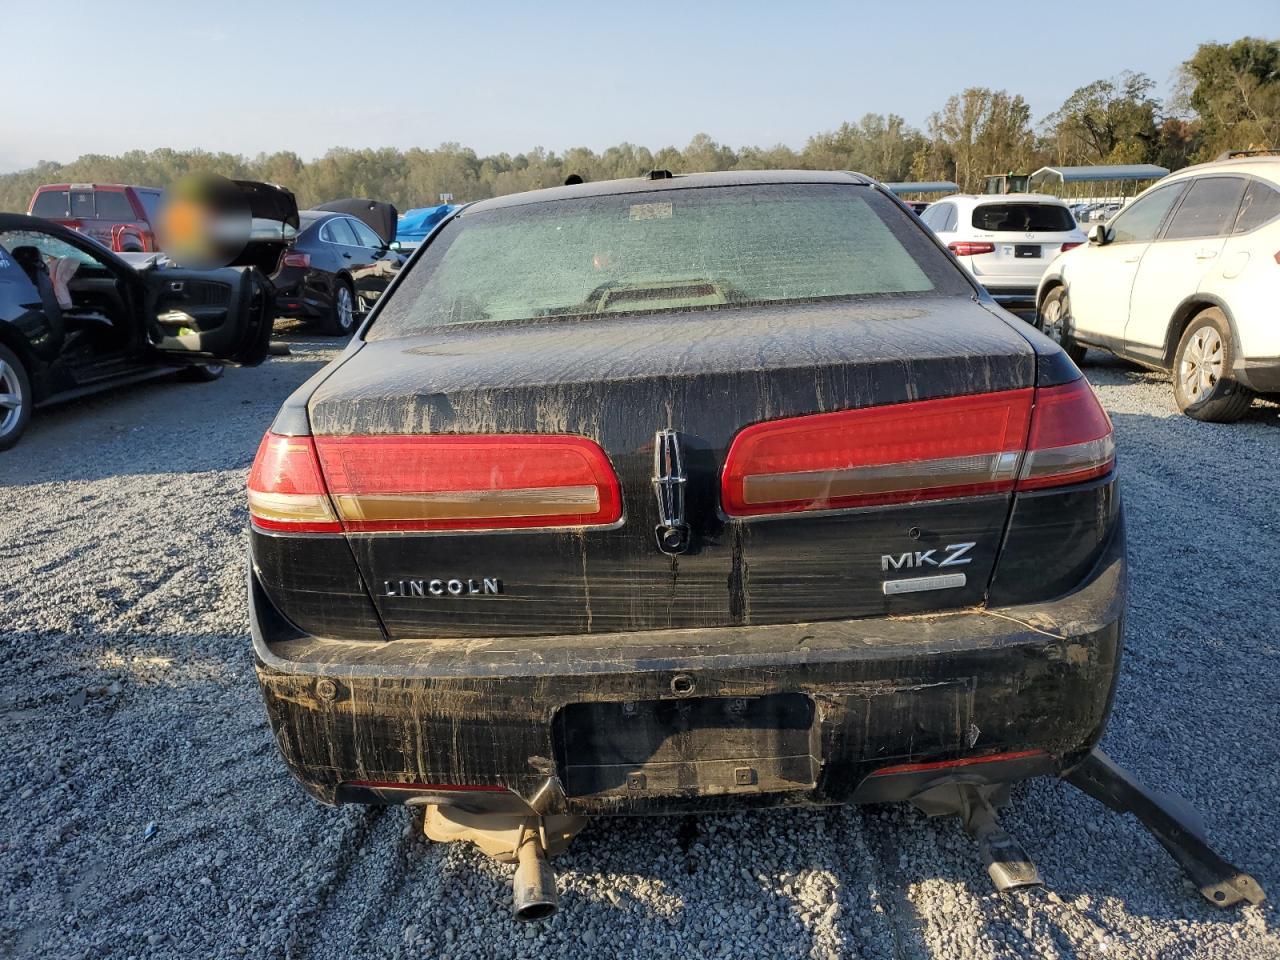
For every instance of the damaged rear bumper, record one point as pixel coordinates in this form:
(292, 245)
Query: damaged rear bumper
(867, 710)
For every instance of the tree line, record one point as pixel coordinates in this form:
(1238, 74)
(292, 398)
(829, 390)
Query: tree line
(1227, 97)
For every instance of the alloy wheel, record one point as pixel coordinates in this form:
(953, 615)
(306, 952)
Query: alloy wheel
(11, 398)
(1201, 365)
(1054, 324)
(346, 310)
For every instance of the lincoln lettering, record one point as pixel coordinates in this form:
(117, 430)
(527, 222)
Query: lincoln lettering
(441, 588)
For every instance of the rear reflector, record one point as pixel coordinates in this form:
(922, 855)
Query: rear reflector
(1071, 439)
(924, 450)
(432, 787)
(286, 491)
(962, 762)
(969, 248)
(466, 482)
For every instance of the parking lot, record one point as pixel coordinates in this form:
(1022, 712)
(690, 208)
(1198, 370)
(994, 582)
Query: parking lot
(148, 813)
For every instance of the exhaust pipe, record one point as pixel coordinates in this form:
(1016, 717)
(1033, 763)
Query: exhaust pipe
(533, 894)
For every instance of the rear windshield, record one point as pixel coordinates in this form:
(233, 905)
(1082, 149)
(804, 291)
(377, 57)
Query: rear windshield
(674, 249)
(1023, 217)
(51, 204)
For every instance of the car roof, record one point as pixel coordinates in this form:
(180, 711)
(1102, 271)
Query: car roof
(95, 186)
(978, 199)
(1265, 167)
(731, 178)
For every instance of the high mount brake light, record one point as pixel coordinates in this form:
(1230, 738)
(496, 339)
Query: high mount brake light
(469, 482)
(1071, 439)
(923, 450)
(970, 248)
(286, 490)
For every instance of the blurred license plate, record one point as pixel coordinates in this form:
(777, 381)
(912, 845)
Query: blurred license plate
(1030, 251)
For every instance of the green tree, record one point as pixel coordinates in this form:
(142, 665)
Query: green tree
(978, 132)
(1234, 90)
(878, 145)
(1108, 121)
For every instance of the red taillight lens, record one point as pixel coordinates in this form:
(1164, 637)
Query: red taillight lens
(1071, 439)
(466, 482)
(1069, 246)
(286, 490)
(296, 258)
(968, 248)
(924, 450)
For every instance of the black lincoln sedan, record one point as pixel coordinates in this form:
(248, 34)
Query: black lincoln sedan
(336, 269)
(686, 493)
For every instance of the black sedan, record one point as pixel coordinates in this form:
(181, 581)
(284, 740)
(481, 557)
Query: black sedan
(76, 318)
(689, 493)
(335, 271)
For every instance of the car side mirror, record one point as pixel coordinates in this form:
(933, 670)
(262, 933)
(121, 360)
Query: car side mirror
(394, 245)
(1098, 235)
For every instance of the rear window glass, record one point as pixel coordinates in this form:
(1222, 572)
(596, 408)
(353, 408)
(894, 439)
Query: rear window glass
(1023, 217)
(51, 204)
(114, 206)
(82, 206)
(673, 249)
(1261, 205)
(1208, 208)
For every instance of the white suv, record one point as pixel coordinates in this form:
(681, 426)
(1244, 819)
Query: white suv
(1185, 279)
(1005, 240)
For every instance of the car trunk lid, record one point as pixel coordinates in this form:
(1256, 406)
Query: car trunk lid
(701, 376)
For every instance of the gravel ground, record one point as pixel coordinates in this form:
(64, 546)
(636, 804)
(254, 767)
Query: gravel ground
(144, 811)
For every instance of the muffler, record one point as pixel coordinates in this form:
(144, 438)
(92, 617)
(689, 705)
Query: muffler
(525, 839)
(533, 888)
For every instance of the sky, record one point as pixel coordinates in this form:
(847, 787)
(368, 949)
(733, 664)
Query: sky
(507, 77)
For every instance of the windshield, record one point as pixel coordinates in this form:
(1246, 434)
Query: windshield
(673, 249)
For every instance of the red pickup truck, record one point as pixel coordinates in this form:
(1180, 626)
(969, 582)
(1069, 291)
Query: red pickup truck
(119, 217)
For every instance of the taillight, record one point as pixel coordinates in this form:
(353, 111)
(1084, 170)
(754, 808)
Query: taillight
(923, 450)
(970, 248)
(296, 258)
(286, 490)
(1070, 440)
(469, 482)
(1069, 246)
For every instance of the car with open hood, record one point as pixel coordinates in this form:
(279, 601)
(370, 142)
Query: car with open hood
(691, 493)
(76, 318)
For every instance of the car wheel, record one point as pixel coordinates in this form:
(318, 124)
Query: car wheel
(205, 372)
(342, 313)
(15, 398)
(1202, 383)
(1054, 320)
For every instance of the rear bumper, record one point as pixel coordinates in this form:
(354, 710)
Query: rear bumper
(885, 706)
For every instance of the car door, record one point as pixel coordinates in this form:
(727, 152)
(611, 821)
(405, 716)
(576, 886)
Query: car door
(1100, 281)
(199, 316)
(371, 278)
(347, 252)
(1174, 266)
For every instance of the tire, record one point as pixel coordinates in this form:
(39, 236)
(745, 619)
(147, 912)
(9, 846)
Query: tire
(205, 372)
(1053, 319)
(1202, 383)
(16, 398)
(341, 319)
